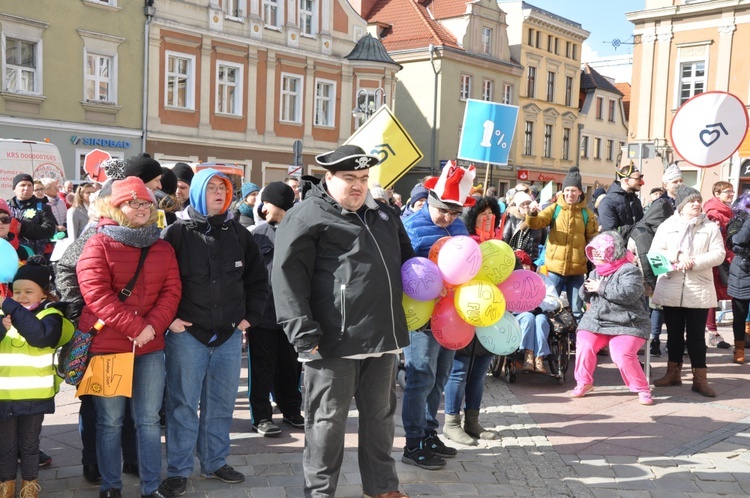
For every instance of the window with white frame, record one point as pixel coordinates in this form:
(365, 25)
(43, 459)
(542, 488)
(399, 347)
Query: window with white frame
(692, 79)
(507, 93)
(325, 103)
(568, 91)
(22, 62)
(550, 86)
(597, 148)
(487, 41)
(180, 81)
(307, 17)
(531, 82)
(234, 8)
(291, 98)
(229, 85)
(584, 147)
(528, 139)
(272, 13)
(611, 110)
(98, 78)
(566, 144)
(487, 90)
(548, 140)
(609, 150)
(465, 92)
(599, 108)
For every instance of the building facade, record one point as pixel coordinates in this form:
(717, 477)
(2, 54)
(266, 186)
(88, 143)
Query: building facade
(72, 73)
(685, 48)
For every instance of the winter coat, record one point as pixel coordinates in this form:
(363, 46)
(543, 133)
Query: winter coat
(739, 269)
(720, 213)
(223, 277)
(617, 309)
(643, 234)
(527, 240)
(104, 269)
(59, 209)
(77, 218)
(66, 279)
(691, 288)
(38, 225)
(265, 236)
(619, 210)
(337, 277)
(567, 237)
(423, 233)
(41, 330)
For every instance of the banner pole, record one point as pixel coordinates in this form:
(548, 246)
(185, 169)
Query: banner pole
(486, 178)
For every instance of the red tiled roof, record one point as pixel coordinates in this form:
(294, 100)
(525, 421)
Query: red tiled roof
(445, 9)
(412, 26)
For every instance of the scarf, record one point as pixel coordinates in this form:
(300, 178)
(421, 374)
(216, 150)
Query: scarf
(606, 269)
(134, 237)
(246, 209)
(685, 237)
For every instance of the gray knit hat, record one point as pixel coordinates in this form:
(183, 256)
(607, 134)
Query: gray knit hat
(573, 179)
(684, 195)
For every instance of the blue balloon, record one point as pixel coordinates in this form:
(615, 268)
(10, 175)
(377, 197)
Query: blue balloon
(501, 338)
(8, 262)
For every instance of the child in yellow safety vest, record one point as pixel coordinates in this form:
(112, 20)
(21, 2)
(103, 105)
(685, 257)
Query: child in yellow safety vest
(33, 327)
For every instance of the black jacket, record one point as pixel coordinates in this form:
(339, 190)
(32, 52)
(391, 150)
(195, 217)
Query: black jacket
(265, 236)
(337, 277)
(38, 224)
(643, 234)
(620, 210)
(223, 276)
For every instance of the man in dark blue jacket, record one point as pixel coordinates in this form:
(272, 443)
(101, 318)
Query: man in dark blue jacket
(621, 209)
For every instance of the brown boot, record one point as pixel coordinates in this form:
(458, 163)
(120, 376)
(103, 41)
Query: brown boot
(539, 365)
(747, 328)
(29, 489)
(672, 377)
(528, 361)
(8, 489)
(700, 384)
(739, 351)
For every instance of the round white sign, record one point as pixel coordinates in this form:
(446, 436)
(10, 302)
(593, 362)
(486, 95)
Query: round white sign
(709, 128)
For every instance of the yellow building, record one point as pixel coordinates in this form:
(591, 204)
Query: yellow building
(549, 48)
(684, 48)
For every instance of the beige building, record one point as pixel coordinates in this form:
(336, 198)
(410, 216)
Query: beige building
(549, 48)
(604, 127)
(685, 48)
(72, 73)
(450, 52)
(240, 81)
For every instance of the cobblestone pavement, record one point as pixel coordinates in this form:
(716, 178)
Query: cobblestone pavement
(603, 445)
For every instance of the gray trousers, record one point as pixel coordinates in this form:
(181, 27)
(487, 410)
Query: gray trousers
(330, 385)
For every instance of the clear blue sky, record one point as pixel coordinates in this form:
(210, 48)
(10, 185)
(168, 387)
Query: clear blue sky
(605, 19)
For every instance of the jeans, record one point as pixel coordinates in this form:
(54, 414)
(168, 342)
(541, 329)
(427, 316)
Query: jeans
(534, 333)
(330, 385)
(428, 365)
(686, 327)
(462, 382)
(87, 430)
(148, 389)
(571, 285)
(657, 320)
(209, 376)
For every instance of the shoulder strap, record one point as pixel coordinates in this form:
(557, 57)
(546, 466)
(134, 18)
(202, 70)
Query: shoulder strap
(125, 293)
(557, 211)
(585, 212)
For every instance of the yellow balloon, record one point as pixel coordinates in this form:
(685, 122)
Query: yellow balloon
(479, 303)
(498, 261)
(417, 312)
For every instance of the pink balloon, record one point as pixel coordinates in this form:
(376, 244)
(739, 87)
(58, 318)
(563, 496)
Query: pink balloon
(524, 290)
(448, 328)
(459, 259)
(421, 279)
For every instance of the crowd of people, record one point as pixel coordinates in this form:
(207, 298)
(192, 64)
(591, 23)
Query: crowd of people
(305, 274)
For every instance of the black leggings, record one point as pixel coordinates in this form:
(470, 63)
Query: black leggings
(739, 317)
(686, 326)
(19, 435)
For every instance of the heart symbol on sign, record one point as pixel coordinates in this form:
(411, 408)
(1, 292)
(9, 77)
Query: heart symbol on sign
(713, 136)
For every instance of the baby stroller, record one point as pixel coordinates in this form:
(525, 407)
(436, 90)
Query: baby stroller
(560, 340)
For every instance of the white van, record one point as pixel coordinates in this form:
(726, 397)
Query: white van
(38, 159)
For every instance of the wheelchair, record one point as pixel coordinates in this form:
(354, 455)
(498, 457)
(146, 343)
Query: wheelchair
(561, 344)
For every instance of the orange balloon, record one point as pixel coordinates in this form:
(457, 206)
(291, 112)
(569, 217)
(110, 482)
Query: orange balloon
(435, 249)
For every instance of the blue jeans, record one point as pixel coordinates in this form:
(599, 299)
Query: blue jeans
(461, 382)
(571, 285)
(428, 365)
(534, 333)
(197, 373)
(148, 391)
(657, 320)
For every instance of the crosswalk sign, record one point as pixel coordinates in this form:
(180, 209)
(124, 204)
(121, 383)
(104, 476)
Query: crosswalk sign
(382, 135)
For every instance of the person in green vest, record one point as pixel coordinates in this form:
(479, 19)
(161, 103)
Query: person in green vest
(33, 327)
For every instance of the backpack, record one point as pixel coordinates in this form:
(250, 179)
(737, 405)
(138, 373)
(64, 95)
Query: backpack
(734, 226)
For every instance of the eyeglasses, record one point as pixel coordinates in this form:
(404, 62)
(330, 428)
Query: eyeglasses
(728, 191)
(39, 190)
(637, 178)
(5, 219)
(140, 204)
(212, 189)
(448, 212)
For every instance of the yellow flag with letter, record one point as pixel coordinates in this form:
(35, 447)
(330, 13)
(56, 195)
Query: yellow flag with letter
(108, 375)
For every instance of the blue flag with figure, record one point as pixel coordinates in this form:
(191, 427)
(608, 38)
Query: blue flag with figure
(487, 132)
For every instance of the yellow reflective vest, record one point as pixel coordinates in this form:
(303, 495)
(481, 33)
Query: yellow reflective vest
(28, 372)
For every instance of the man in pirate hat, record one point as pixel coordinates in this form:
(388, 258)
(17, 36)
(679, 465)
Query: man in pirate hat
(621, 208)
(340, 238)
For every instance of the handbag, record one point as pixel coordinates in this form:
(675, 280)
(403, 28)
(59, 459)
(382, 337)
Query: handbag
(75, 355)
(723, 271)
(561, 320)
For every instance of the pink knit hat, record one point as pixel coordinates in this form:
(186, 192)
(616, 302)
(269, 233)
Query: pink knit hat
(4, 206)
(130, 189)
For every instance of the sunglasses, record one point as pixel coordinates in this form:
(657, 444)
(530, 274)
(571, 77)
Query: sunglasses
(5, 219)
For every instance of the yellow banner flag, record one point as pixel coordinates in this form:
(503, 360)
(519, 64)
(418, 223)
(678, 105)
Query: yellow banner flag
(108, 375)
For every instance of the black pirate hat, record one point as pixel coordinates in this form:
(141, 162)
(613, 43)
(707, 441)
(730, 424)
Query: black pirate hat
(347, 158)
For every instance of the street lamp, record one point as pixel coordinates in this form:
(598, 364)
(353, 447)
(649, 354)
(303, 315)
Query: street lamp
(367, 103)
